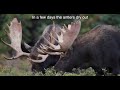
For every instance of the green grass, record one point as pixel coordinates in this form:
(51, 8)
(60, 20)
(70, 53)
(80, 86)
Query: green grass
(6, 71)
(22, 67)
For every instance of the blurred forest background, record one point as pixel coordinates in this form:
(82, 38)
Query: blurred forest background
(32, 29)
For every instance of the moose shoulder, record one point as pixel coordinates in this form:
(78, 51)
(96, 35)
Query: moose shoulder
(99, 48)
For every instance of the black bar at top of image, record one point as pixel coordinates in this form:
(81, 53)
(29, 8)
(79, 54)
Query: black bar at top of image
(59, 7)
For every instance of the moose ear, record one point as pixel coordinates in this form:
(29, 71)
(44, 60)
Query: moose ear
(28, 47)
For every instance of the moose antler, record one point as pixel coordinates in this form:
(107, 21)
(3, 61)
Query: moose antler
(15, 36)
(64, 40)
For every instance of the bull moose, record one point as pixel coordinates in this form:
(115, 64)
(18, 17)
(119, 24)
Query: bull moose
(63, 47)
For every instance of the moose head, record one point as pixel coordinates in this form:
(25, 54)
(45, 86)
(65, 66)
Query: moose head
(53, 41)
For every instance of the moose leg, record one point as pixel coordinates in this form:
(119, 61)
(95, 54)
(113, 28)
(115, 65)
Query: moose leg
(116, 65)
